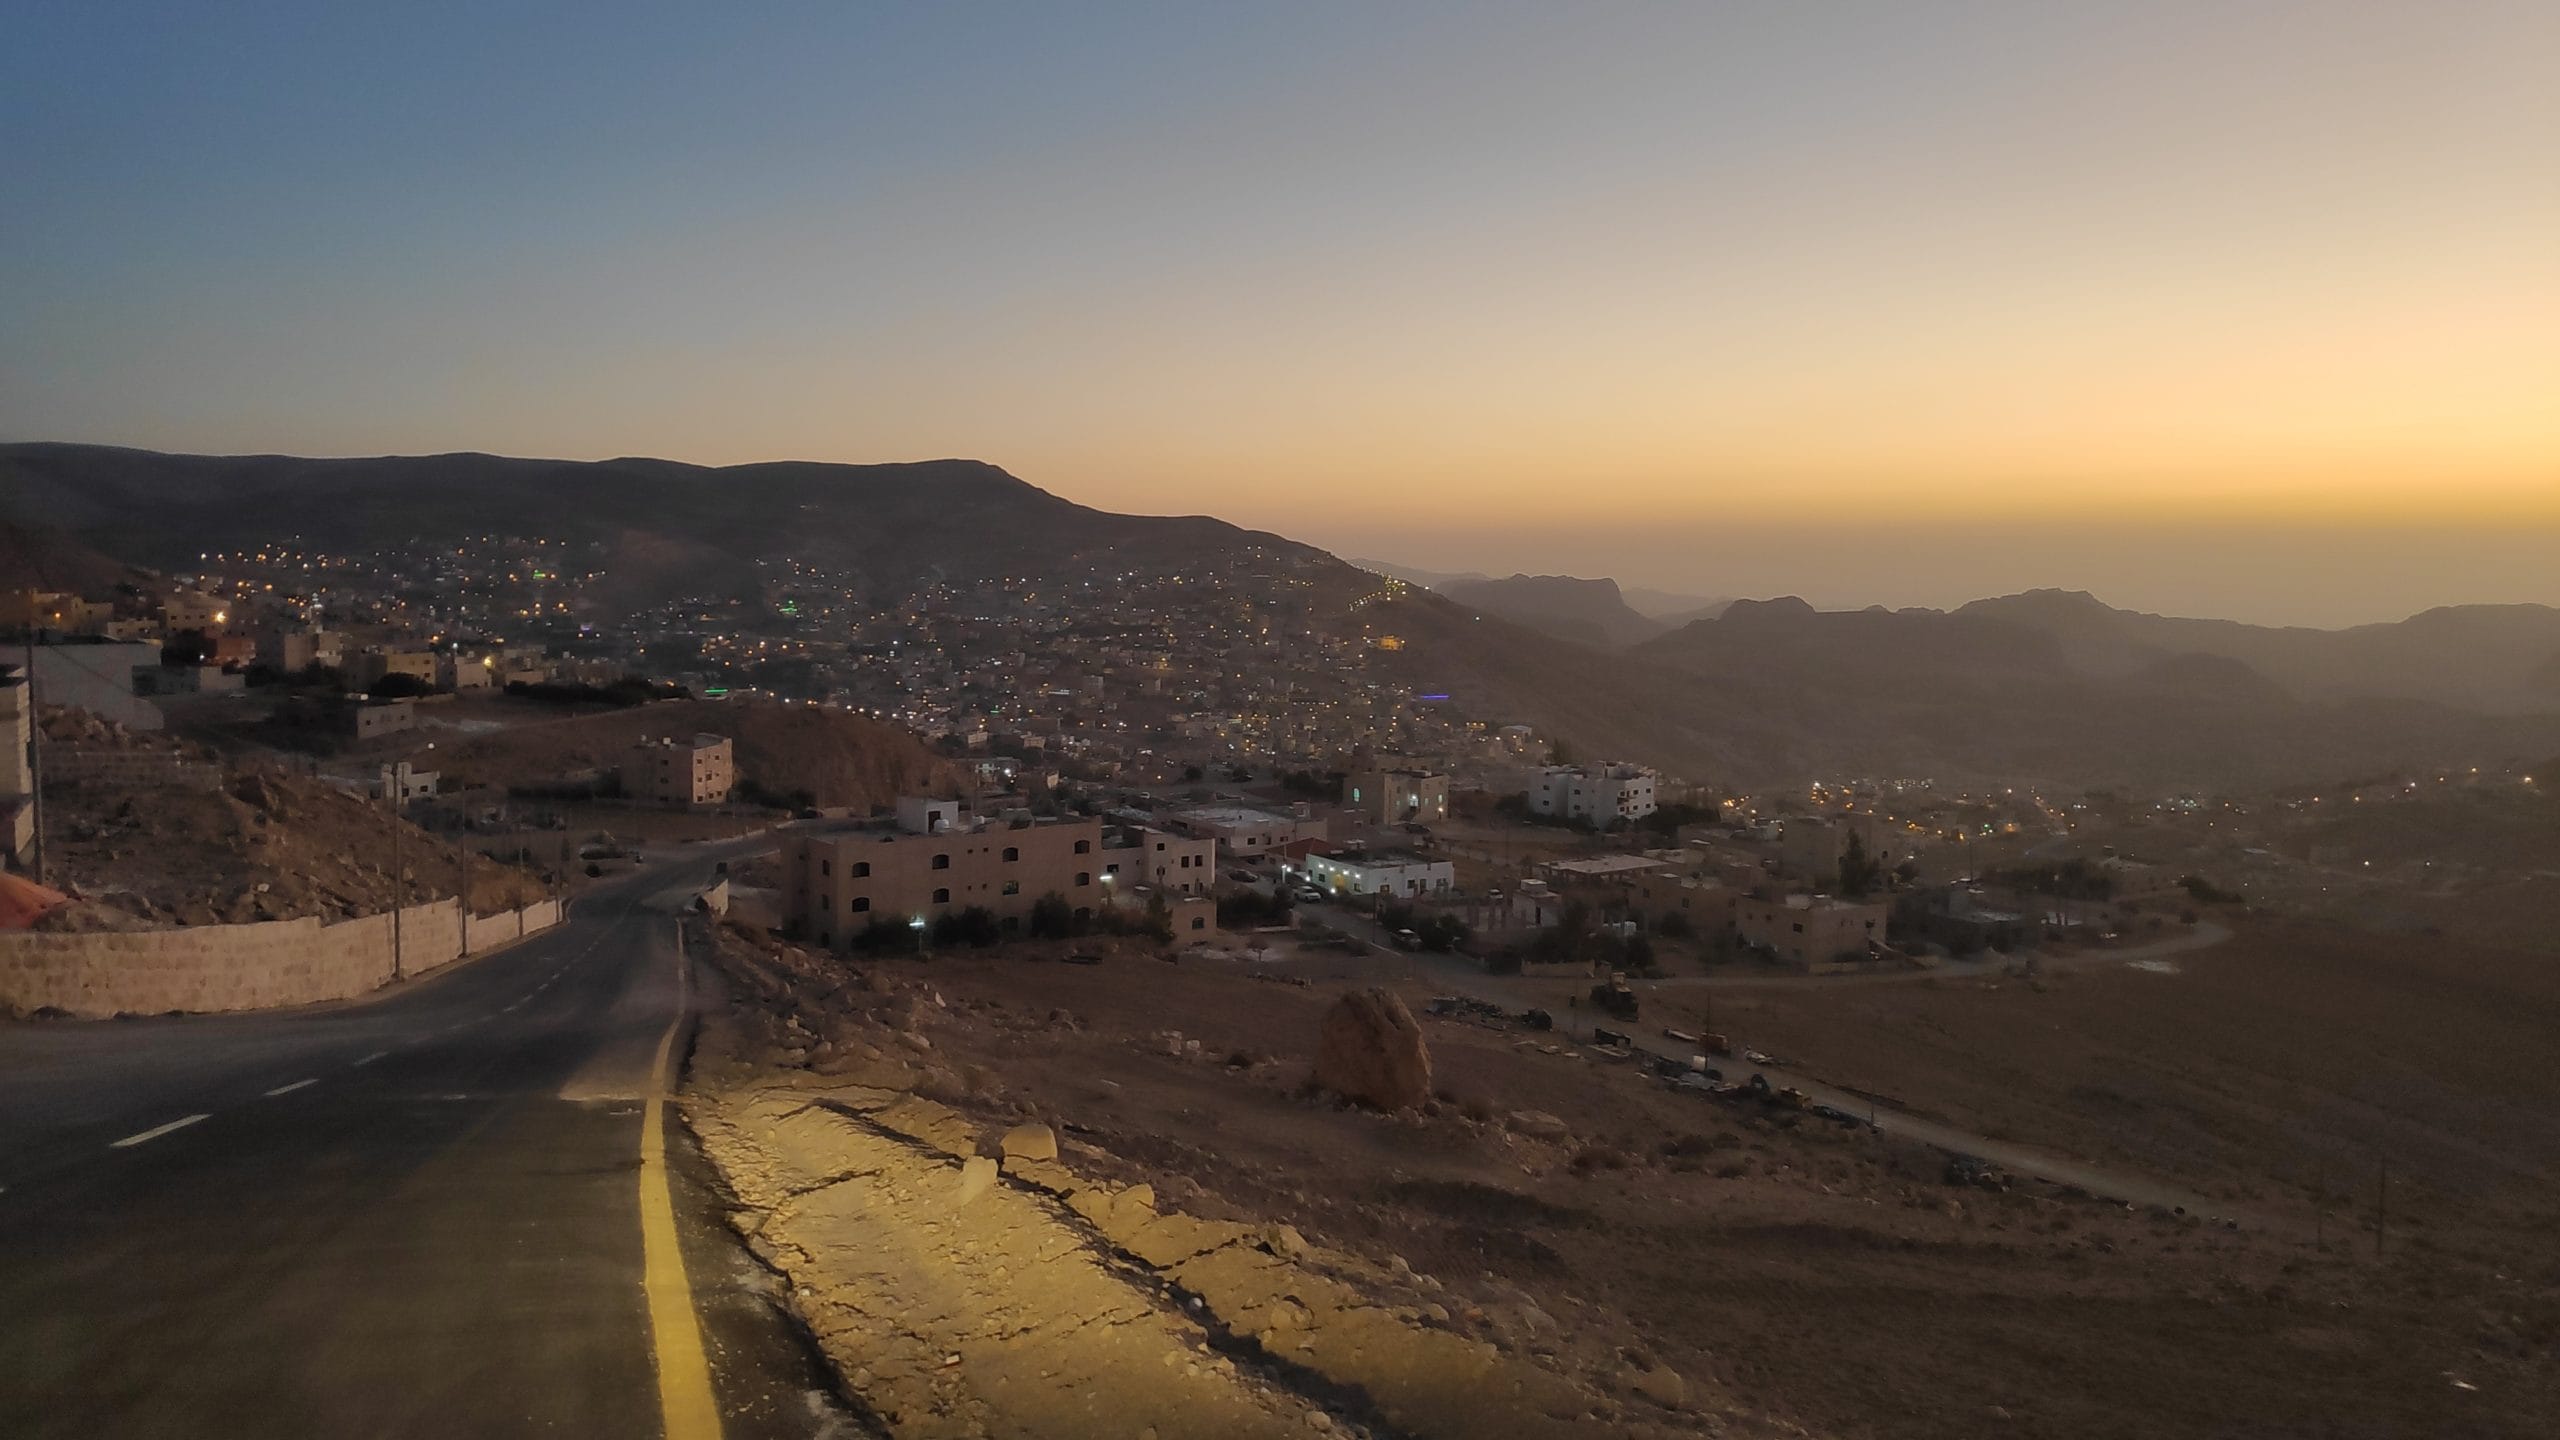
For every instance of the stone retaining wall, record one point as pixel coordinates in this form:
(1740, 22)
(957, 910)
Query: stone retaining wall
(242, 967)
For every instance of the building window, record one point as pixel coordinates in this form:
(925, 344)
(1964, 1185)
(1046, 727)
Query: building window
(861, 869)
(1084, 877)
(1012, 853)
(860, 903)
(1013, 887)
(942, 897)
(826, 937)
(826, 902)
(1084, 847)
(826, 867)
(942, 862)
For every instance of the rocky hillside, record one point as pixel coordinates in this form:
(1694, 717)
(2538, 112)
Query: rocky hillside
(210, 842)
(1590, 612)
(2045, 685)
(838, 758)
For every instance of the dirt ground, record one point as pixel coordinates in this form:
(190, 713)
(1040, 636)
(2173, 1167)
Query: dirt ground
(840, 759)
(266, 844)
(1797, 1272)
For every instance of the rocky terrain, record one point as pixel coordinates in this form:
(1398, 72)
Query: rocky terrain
(1682, 1264)
(979, 1261)
(838, 758)
(198, 840)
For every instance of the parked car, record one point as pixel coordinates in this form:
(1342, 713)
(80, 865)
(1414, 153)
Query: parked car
(1407, 939)
(1309, 895)
(1242, 876)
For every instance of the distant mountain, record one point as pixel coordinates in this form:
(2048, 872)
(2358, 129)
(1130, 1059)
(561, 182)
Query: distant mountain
(2045, 685)
(1590, 612)
(1427, 579)
(677, 528)
(1673, 610)
(41, 557)
(2481, 657)
(2059, 685)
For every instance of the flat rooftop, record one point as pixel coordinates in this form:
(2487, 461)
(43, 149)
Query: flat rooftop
(1602, 865)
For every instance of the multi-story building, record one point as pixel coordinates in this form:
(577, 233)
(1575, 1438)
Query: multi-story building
(185, 610)
(367, 668)
(1812, 845)
(1380, 872)
(1811, 932)
(1173, 864)
(1598, 795)
(696, 770)
(1390, 797)
(836, 884)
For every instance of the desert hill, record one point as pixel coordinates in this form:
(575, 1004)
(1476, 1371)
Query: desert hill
(1589, 612)
(2046, 684)
(2482, 657)
(701, 527)
(838, 758)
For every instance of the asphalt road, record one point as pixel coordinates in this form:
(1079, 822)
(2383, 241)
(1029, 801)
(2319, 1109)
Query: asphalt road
(418, 1215)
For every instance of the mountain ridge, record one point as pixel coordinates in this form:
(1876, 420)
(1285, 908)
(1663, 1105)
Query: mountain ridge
(2052, 684)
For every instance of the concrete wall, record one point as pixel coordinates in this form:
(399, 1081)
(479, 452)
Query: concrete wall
(241, 967)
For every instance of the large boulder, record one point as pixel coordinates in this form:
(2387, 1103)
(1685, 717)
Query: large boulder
(1371, 1051)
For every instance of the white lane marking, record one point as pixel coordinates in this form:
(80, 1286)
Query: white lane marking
(156, 1131)
(289, 1089)
(369, 1059)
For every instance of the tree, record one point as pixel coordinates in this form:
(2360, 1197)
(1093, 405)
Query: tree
(1052, 918)
(1675, 925)
(1860, 873)
(974, 926)
(397, 685)
(1191, 774)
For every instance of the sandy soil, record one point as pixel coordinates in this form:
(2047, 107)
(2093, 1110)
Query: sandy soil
(266, 845)
(1797, 1272)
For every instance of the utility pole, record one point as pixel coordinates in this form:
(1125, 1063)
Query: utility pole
(399, 875)
(35, 751)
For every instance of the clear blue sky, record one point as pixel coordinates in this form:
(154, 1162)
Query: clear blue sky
(2236, 308)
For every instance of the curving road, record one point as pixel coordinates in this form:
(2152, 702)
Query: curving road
(419, 1215)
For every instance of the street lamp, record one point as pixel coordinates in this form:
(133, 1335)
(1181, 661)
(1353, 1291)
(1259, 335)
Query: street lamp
(917, 925)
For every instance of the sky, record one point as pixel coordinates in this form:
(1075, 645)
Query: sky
(2210, 308)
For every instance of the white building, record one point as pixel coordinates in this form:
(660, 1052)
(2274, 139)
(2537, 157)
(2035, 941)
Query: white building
(1599, 795)
(1381, 872)
(1244, 832)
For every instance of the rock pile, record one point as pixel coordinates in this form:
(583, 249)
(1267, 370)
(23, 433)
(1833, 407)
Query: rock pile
(1371, 1051)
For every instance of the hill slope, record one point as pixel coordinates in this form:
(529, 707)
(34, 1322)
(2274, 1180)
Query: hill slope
(2045, 685)
(1589, 612)
(841, 759)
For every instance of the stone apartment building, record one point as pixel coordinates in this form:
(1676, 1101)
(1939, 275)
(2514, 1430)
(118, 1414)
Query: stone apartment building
(695, 770)
(1597, 795)
(1174, 864)
(1394, 797)
(836, 884)
(1811, 932)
